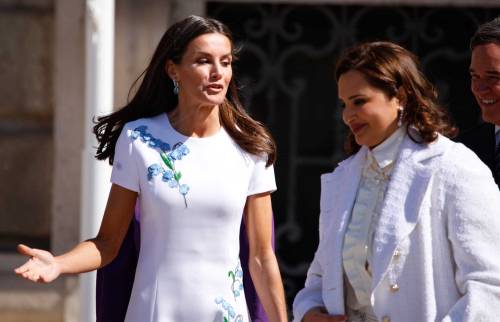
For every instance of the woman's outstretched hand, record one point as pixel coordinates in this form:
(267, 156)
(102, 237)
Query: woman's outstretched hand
(41, 267)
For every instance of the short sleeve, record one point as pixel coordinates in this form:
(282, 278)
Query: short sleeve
(124, 171)
(262, 178)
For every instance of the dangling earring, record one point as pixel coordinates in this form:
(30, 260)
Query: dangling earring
(400, 116)
(176, 86)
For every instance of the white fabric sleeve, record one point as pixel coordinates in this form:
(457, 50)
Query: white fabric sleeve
(262, 178)
(473, 210)
(311, 295)
(125, 171)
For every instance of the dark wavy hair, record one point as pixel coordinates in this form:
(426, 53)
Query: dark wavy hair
(389, 68)
(155, 95)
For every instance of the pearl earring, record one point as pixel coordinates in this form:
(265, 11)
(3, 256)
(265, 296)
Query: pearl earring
(400, 116)
(176, 86)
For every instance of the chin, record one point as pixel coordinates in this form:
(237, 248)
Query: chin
(490, 117)
(215, 100)
(360, 141)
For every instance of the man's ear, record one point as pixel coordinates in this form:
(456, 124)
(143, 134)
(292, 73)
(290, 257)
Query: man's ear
(171, 69)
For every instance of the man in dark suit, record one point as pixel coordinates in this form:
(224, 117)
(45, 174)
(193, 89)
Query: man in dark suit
(484, 139)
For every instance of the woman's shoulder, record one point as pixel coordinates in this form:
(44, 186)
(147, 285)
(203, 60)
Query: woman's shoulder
(459, 161)
(462, 155)
(229, 144)
(339, 169)
(143, 122)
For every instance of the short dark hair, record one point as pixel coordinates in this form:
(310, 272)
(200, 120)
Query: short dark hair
(486, 33)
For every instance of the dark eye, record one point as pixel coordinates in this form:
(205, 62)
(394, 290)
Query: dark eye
(359, 102)
(226, 63)
(493, 79)
(202, 61)
(474, 76)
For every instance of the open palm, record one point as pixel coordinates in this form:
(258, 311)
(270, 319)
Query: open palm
(41, 267)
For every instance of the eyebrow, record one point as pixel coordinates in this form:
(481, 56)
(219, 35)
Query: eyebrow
(354, 96)
(488, 72)
(208, 54)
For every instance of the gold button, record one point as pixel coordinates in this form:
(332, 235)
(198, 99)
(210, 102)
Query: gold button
(386, 319)
(394, 287)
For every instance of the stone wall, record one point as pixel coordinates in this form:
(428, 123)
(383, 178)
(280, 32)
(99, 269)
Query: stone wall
(26, 111)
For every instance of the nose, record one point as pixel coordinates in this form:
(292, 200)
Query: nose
(479, 85)
(347, 115)
(216, 72)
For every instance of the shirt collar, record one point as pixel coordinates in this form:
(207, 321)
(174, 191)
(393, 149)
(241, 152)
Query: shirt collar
(386, 152)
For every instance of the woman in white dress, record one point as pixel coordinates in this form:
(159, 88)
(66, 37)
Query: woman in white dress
(186, 148)
(410, 222)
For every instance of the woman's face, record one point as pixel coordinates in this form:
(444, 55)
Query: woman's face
(205, 71)
(369, 113)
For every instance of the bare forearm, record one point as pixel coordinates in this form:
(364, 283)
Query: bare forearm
(86, 256)
(267, 280)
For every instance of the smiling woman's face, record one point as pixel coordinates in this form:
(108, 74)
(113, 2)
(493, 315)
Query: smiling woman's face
(204, 72)
(369, 113)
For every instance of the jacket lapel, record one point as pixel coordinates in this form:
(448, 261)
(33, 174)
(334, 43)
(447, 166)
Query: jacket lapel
(403, 200)
(338, 192)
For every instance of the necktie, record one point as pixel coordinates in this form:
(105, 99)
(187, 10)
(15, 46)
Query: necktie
(497, 159)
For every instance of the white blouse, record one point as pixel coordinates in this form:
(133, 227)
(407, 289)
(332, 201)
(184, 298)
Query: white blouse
(358, 239)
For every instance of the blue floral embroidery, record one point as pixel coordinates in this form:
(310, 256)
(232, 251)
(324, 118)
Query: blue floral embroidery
(236, 287)
(237, 278)
(154, 170)
(229, 314)
(169, 156)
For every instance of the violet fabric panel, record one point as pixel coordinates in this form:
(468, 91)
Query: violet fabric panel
(115, 280)
(255, 307)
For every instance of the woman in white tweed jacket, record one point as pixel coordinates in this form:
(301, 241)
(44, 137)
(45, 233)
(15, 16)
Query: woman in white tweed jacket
(410, 223)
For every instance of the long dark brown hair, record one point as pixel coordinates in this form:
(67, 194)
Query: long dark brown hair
(155, 95)
(390, 68)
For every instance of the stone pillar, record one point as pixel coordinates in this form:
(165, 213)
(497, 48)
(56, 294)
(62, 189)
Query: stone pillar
(69, 107)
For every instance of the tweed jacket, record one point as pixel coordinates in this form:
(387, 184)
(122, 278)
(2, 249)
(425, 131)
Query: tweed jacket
(436, 247)
(481, 140)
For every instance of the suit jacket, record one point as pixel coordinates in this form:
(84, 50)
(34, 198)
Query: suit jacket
(436, 244)
(481, 140)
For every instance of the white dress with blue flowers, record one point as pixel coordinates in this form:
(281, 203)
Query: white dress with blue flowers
(192, 194)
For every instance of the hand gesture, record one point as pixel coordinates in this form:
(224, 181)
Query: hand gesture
(321, 315)
(41, 267)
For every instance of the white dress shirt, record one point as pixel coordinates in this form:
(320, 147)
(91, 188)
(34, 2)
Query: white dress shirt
(358, 239)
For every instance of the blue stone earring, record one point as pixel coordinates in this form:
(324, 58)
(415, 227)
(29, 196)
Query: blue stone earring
(176, 86)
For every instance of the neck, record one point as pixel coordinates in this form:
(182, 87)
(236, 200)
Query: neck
(195, 120)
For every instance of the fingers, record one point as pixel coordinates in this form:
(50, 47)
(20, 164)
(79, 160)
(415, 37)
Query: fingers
(27, 271)
(25, 267)
(25, 250)
(31, 276)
